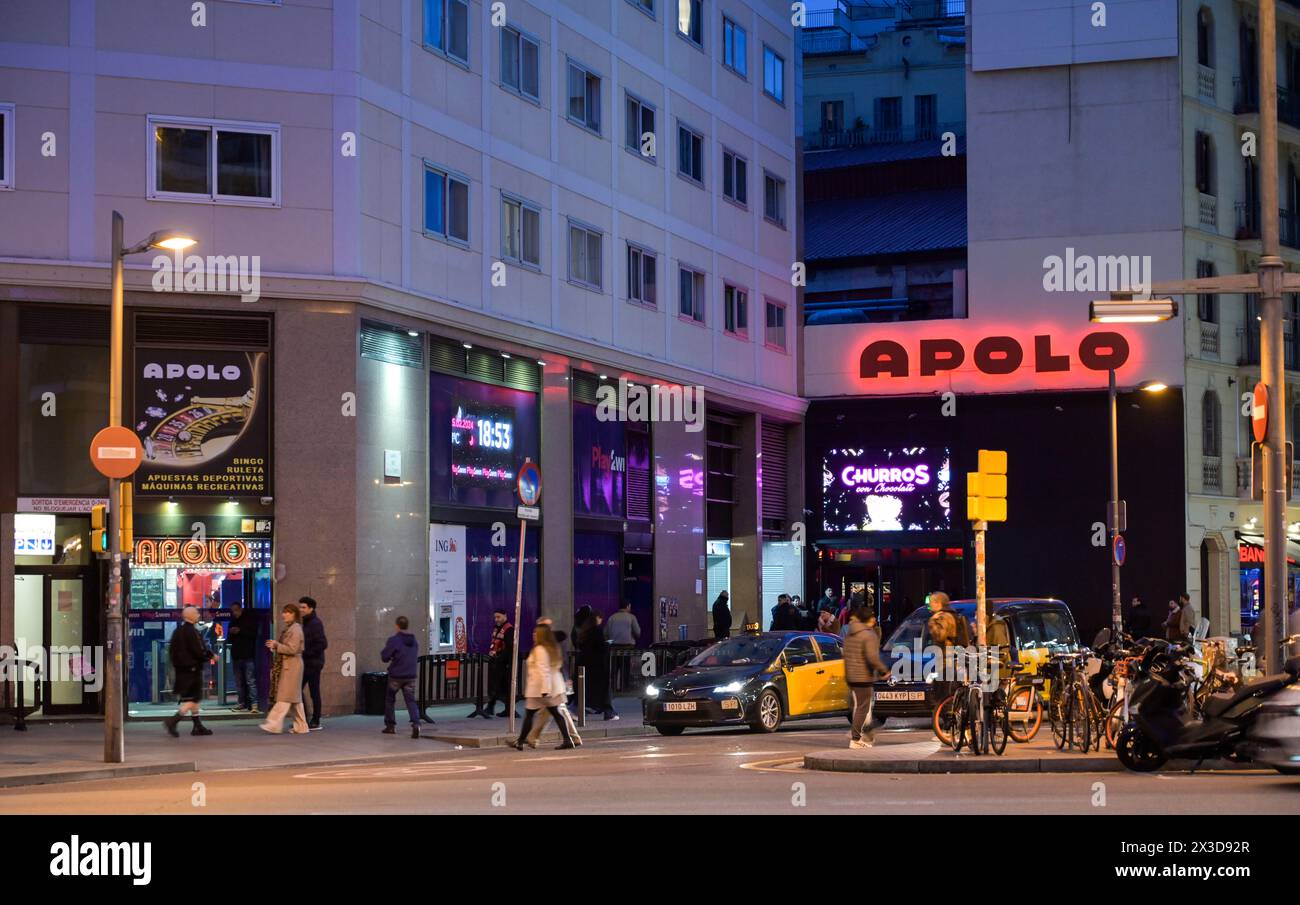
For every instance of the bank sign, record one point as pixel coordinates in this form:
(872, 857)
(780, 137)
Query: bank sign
(886, 489)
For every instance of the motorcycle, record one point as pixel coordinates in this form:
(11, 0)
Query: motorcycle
(1164, 725)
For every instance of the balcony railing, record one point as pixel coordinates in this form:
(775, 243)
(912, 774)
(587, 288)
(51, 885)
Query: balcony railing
(832, 41)
(826, 139)
(1205, 82)
(1207, 213)
(1211, 474)
(1210, 339)
(1248, 226)
(1245, 94)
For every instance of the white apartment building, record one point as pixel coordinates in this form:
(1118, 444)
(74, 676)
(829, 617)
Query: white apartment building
(452, 203)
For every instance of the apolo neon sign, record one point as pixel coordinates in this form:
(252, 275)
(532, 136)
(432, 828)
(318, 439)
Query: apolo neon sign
(1101, 350)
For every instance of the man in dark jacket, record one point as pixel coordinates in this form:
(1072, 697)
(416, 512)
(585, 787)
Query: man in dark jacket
(1138, 623)
(313, 655)
(721, 617)
(862, 666)
(402, 654)
(242, 638)
(501, 651)
(188, 654)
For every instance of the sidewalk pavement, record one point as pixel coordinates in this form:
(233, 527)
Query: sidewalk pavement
(73, 751)
(920, 752)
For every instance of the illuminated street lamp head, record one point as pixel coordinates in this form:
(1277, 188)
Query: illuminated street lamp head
(1153, 386)
(1124, 311)
(169, 239)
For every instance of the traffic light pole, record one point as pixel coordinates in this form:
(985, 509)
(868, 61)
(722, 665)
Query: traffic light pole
(981, 601)
(1116, 604)
(1271, 358)
(114, 733)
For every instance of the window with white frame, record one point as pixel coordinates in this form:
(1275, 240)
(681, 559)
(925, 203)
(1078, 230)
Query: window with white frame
(584, 255)
(6, 146)
(213, 160)
(584, 96)
(690, 293)
(774, 198)
(690, 20)
(446, 27)
(735, 177)
(520, 67)
(690, 153)
(735, 47)
(446, 204)
(774, 333)
(641, 275)
(773, 74)
(521, 231)
(735, 310)
(639, 126)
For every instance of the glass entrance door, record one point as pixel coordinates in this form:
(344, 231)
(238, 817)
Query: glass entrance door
(56, 625)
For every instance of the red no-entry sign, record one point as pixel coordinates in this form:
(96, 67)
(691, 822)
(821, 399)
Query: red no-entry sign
(1259, 412)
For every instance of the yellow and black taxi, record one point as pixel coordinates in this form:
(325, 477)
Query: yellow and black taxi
(757, 679)
(1038, 627)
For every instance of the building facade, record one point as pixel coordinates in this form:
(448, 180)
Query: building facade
(457, 237)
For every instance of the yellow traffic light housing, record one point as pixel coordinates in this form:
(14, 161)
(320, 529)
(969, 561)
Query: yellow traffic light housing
(125, 526)
(986, 489)
(99, 529)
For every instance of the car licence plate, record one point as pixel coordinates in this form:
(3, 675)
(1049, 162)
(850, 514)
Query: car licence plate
(678, 706)
(900, 695)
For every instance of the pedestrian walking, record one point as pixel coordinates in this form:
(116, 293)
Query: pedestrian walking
(559, 701)
(313, 655)
(402, 654)
(286, 674)
(544, 680)
(188, 654)
(242, 638)
(862, 666)
(722, 617)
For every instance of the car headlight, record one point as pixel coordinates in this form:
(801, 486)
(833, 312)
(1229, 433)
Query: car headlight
(651, 691)
(730, 688)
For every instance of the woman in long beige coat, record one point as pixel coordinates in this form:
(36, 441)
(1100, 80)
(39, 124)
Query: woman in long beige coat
(286, 674)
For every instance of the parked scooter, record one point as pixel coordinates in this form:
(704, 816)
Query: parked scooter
(1274, 739)
(1163, 726)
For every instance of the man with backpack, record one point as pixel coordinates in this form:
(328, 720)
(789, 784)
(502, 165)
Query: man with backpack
(948, 629)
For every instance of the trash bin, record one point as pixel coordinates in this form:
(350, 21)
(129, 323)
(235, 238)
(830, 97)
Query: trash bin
(372, 692)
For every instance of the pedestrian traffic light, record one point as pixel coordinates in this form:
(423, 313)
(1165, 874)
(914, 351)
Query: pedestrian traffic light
(125, 528)
(986, 489)
(99, 529)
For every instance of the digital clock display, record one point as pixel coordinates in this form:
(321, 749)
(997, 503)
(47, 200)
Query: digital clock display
(483, 431)
(479, 436)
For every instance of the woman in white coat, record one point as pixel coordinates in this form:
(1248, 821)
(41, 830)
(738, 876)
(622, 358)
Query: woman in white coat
(544, 678)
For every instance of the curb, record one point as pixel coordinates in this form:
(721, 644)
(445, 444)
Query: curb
(835, 762)
(90, 774)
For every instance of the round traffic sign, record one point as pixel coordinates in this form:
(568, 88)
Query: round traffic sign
(116, 452)
(1259, 412)
(1119, 550)
(529, 484)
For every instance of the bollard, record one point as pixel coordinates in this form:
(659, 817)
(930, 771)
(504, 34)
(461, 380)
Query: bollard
(580, 686)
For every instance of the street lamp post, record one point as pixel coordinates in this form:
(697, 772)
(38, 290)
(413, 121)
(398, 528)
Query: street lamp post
(1123, 312)
(114, 732)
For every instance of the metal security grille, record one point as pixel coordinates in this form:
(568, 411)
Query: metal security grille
(775, 499)
(449, 356)
(212, 330)
(63, 325)
(394, 345)
(638, 489)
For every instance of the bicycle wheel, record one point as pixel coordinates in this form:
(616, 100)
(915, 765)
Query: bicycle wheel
(941, 721)
(999, 726)
(1114, 723)
(1080, 719)
(959, 720)
(1026, 730)
(1056, 712)
(977, 721)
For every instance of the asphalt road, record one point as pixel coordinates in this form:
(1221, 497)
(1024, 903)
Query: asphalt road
(713, 773)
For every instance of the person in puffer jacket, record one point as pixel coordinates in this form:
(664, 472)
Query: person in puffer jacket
(402, 654)
(544, 682)
(862, 666)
